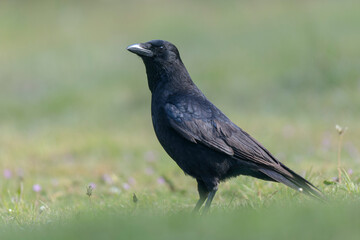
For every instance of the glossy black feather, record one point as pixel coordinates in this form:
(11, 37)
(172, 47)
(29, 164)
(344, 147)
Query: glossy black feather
(198, 136)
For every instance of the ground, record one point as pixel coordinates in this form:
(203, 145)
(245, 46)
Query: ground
(75, 111)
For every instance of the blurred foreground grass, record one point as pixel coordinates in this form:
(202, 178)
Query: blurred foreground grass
(279, 222)
(75, 110)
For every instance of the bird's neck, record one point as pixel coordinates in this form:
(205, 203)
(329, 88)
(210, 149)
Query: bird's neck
(174, 75)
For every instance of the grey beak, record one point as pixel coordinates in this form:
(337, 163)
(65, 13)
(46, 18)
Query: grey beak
(140, 50)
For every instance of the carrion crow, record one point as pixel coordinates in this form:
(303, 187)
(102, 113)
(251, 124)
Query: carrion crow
(197, 135)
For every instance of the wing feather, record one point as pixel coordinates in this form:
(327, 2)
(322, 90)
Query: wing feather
(213, 129)
(205, 124)
(196, 129)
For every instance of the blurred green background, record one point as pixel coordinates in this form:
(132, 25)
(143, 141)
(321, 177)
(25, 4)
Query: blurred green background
(75, 106)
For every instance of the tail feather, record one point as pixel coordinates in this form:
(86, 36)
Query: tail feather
(294, 181)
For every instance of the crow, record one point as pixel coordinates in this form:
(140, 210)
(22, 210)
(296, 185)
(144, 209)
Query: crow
(203, 142)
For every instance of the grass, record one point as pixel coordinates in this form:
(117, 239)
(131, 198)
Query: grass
(75, 110)
(270, 223)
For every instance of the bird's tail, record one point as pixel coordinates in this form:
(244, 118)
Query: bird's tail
(293, 180)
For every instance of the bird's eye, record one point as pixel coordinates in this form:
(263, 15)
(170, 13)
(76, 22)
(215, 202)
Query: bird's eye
(161, 47)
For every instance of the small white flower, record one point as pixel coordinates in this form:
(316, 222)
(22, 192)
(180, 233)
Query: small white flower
(340, 129)
(300, 189)
(115, 190)
(42, 208)
(10, 210)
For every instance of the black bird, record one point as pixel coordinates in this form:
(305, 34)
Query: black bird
(197, 135)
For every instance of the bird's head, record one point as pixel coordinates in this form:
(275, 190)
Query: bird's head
(162, 62)
(155, 51)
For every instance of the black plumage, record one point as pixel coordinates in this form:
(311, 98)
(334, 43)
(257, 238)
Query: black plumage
(197, 135)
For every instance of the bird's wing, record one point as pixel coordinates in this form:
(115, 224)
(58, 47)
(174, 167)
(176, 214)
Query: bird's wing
(208, 126)
(205, 124)
(196, 125)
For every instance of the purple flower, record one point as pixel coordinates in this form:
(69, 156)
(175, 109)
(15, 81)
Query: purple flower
(107, 179)
(149, 171)
(36, 188)
(126, 186)
(92, 185)
(7, 173)
(131, 181)
(161, 181)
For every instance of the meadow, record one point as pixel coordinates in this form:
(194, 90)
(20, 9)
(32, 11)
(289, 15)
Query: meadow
(75, 112)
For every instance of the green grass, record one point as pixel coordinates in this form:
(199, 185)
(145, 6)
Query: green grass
(327, 222)
(75, 110)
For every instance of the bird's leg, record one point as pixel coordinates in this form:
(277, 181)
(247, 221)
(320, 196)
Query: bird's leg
(209, 200)
(203, 193)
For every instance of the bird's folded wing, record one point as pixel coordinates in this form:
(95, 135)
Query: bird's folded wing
(196, 129)
(218, 133)
(208, 126)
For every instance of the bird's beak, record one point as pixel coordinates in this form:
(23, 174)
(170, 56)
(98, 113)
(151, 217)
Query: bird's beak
(140, 50)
